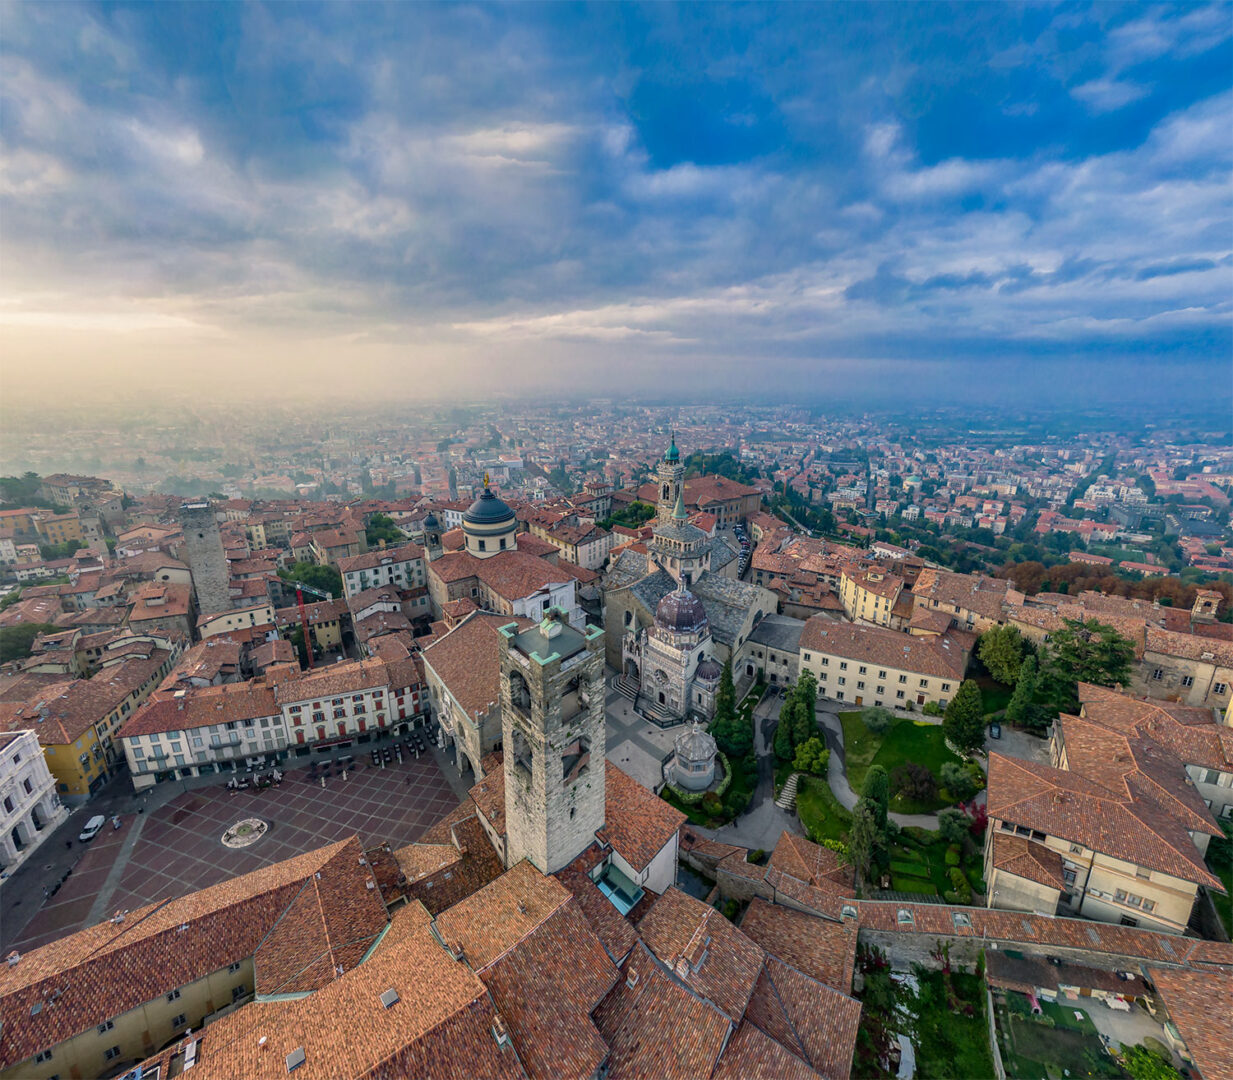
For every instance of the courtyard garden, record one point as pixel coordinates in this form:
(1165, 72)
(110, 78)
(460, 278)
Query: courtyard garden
(913, 755)
(929, 865)
(1058, 1041)
(941, 1010)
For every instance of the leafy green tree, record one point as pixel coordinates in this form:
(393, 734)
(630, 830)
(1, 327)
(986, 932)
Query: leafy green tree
(1022, 709)
(16, 641)
(877, 719)
(812, 757)
(1142, 1064)
(733, 730)
(319, 577)
(964, 719)
(10, 600)
(805, 718)
(1001, 650)
(876, 793)
(784, 746)
(865, 840)
(381, 527)
(1085, 651)
(60, 551)
(953, 825)
(957, 780)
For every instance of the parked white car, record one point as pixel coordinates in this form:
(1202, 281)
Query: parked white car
(92, 828)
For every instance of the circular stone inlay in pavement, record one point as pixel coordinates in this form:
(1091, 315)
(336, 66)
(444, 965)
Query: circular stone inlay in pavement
(245, 832)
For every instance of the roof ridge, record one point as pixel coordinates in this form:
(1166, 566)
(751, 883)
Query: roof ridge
(510, 948)
(804, 1053)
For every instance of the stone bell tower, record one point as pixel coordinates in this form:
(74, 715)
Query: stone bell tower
(670, 475)
(552, 724)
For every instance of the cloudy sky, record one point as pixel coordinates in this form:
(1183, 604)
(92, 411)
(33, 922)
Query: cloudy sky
(887, 200)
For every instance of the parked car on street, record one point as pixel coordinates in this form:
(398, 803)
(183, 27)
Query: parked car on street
(92, 828)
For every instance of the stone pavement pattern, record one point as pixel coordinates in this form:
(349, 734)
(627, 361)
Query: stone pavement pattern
(176, 847)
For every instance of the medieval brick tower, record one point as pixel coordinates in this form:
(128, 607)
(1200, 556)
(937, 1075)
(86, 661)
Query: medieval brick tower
(670, 476)
(552, 723)
(206, 560)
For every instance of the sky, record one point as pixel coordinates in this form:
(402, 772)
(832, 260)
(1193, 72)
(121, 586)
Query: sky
(889, 202)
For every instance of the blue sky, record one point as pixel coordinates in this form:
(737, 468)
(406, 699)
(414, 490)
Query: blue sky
(883, 200)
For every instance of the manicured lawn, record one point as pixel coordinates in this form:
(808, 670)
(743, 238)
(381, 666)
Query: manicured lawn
(820, 812)
(906, 741)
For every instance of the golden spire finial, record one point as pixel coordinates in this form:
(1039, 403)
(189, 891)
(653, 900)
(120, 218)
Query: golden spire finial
(485, 478)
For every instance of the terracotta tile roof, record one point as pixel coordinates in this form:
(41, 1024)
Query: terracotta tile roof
(822, 949)
(1135, 765)
(1060, 803)
(638, 823)
(613, 930)
(440, 1026)
(160, 600)
(477, 864)
(1191, 733)
(489, 797)
(467, 660)
(1027, 859)
(968, 592)
(545, 987)
(935, 656)
(1198, 1004)
(200, 707)
(655, 1027)
(751, 1055)
(1152, 946)
(813, 1021)
(105, 970)
(704, 950)
(349, 677)
(498, 916)
(812, 863)
(370, 560)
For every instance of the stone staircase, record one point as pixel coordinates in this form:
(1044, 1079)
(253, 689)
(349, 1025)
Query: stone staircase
(787, 797)
(625, 686)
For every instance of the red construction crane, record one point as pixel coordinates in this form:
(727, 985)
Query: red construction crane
(300, 590)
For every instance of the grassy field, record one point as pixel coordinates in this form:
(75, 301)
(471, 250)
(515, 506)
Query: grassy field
(1069, 1046)
(906, 741)
(820, 812)
(994, 695)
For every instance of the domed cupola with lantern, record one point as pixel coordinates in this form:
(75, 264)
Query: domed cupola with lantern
(676, 668)
(489, 526)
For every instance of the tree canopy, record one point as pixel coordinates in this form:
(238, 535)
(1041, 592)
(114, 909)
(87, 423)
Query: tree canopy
(964, 719)
(1002, 649)
(16, 641)
(319, 577)
(1085, 650)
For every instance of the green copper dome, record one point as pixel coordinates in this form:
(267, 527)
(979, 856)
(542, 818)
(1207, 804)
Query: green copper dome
(673, 454)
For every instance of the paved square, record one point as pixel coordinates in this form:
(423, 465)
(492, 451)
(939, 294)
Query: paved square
(179, 846)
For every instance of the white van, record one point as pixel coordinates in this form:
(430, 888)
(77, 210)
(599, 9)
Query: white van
(92, 828)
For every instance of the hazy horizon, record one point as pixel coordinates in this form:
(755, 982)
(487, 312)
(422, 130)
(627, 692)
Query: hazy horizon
(877, 204)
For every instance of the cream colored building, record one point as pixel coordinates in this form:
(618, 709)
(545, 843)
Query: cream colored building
(872, 596)
(868, 665)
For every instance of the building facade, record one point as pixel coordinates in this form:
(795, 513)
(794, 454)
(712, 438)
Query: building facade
(28, 797)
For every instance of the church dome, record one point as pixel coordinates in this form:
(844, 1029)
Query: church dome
(673, 454)
(431, 523)
(709, 670)
(488, 510)
(681, 612)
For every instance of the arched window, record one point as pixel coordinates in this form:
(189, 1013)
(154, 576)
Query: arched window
(519, 692)
(629, 618)
(520, 749)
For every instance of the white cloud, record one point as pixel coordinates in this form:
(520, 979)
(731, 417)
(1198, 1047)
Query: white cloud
(1107, 95)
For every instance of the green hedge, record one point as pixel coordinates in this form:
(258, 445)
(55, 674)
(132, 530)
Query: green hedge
(693, 798)
(962, 890)
(913, 885)
(916, 870)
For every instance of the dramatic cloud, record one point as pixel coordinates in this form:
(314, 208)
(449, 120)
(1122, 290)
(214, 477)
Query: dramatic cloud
(424, 199)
